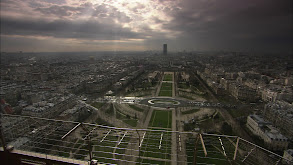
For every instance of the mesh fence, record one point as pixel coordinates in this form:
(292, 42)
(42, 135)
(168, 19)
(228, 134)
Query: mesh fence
(73, 141)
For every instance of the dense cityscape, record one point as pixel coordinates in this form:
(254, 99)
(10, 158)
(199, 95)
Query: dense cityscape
(148, 82)
(226, 93)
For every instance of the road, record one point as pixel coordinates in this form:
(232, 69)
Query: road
(174, 128)
(174, 139)
(159, 86)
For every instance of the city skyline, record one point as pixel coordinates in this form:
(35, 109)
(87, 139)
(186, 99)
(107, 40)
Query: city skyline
(52, 26)
(146, 108)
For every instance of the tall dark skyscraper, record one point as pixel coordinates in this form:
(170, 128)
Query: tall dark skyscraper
(165, 49)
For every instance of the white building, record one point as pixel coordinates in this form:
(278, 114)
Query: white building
(273, 139)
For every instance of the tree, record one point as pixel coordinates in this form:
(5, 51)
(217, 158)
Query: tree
(226, 129)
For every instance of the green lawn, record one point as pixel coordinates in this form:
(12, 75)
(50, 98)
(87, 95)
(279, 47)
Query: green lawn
(161, 118)
(78, 143)
(81, 149)
(131, 122)
(165, 93)
(120, 115)
(97, 104)
(214, 150)
(126, 118)
(135, 108)
(150, 146)
(166, 86)
(166, 90)
(153, 162)
(168, 77)
(110, 110)
(104, 149)
(152, 143)
(66, 147)
(63, 154)
(121, 148)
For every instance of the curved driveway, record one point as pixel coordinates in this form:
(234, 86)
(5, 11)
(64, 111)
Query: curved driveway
(164, 102)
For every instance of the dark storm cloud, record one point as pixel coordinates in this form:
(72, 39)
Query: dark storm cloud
(234, 21)
(91, 29)
(187, 24)
(212, 13)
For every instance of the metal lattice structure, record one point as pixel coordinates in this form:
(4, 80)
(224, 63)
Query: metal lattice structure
(81, 142)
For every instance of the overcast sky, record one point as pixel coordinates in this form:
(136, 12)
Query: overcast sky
(98, 25)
